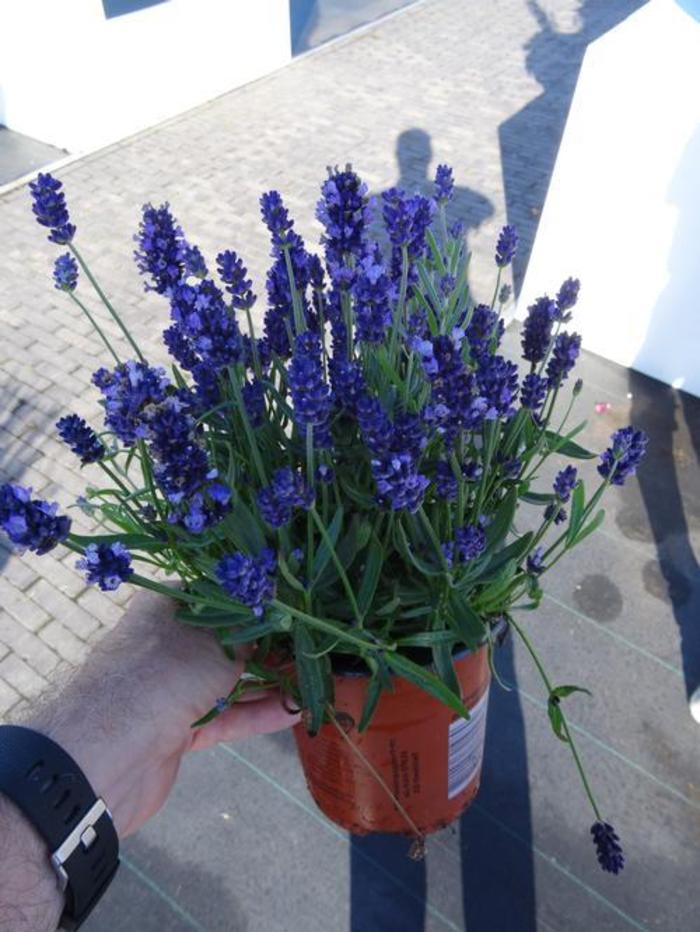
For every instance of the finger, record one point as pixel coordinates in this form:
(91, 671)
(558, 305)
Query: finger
(243, 721)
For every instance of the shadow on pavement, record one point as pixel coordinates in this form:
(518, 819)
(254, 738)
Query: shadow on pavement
(668, 478)
(390, 892)
(414, 154)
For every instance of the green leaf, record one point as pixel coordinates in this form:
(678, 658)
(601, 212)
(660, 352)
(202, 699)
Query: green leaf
(360, 498)
(241, 527)
(426, 680)
(250, 632)
(288, 576)
(404, 548)
(214, 619)
(498, 589)
(442, 661)
(514, 551)
(561, 692)
(323, 554)
(427, 639)
(419, 612)
(212, 597)
(567, 447)
(465, 621)
(389, 608)
(502, 521)
(590, 527)
(435, 252)
(350, 545)
(313, 677)
(131, 541)
(473, 572)
(578, 501)
(556, 720)
(373, 566)
(374, 691)
(537, 498)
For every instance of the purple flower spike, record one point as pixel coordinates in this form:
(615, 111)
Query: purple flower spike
(399, 484)
(65, 273)
(82, 439)
(565, 482)
(506, 247)
(31, 523)
(608, 848)
(161, 256)
(49, 208)
(563, 359)
(106, 565)
(537, 329)
(250, 580)
(444, 184)
(626, 451)
(287, 491)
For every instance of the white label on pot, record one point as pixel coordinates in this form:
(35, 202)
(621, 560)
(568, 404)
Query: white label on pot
(466, 748)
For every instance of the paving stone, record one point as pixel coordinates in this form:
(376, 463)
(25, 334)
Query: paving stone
(31, 615)
(100, 607)
(64, 642)
(58, 605)
(21, 677)
(8, 697)
(26, 645)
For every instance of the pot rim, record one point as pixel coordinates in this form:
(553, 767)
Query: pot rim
(356, 674)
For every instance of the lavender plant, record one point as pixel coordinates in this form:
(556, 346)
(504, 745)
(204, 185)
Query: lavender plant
(343, 487)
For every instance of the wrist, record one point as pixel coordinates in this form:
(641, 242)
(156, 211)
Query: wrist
(30, 899)
(94, 754)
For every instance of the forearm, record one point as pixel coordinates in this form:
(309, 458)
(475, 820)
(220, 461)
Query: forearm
(30, 900)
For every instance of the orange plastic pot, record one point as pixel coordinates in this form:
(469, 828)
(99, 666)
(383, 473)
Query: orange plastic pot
(427, 757)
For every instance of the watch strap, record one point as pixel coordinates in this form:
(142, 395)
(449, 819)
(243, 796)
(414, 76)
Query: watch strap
(50, 789)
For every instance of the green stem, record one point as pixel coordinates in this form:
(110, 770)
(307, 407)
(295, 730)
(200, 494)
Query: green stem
(105, 300)
(309, 518)
(250, 435)
(496, 289)
(399, 312)
(548, 685)
(254, 344)
(129, 494)
(338, 565)
(430, 531)
(96, 326)
(330, 628)
(587, 511)
(148, 478)
(299, 319)
(541, 437)
(492, 431)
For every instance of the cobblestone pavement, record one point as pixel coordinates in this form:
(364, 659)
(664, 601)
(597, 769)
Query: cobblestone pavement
(481, 84)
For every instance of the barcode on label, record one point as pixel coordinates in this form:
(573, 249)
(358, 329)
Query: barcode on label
(466, 747)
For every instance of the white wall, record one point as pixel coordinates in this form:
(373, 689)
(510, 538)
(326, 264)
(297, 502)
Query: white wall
(71, 77)
(623, 208)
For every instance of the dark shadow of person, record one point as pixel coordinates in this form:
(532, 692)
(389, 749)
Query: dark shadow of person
(529, 140)
(669, 479)
(498, 881)
(389, 891)
(414, 155)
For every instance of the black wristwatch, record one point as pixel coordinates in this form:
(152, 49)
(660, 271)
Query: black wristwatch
(46, 784)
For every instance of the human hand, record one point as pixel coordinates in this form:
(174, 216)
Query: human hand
(126, 715)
